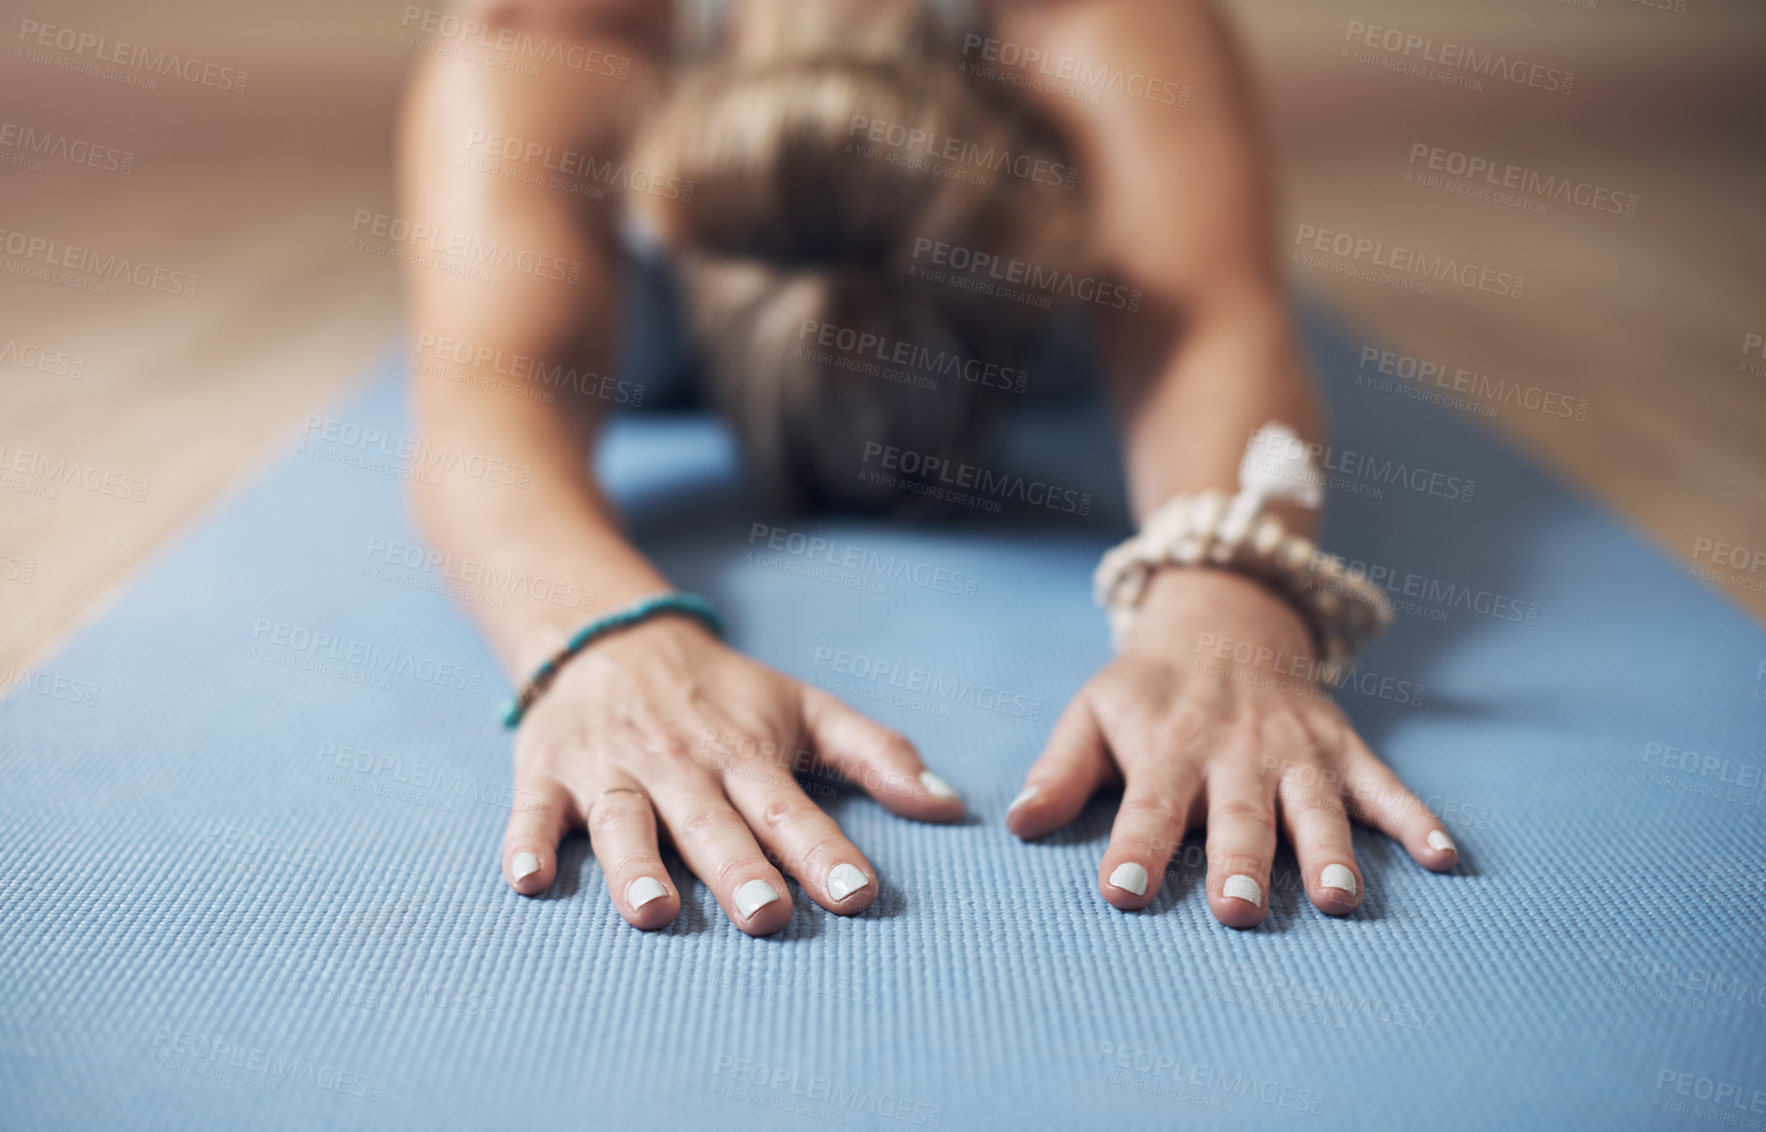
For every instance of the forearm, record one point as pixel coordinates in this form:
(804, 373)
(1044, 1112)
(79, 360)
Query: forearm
(1230, 362)
(1181, 198)
(1235, 368)
(556, 538)
(552, 532)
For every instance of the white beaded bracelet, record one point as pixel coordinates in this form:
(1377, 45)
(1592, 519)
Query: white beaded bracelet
(1210, 529)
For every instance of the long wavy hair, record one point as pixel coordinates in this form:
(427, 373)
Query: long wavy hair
(833, 149)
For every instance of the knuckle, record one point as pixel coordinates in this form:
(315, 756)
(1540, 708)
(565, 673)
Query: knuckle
(1244, 733)
(1240, 811)
(1336, 736)
(1162, 808)
(1284, 726)
(1313, 802)
(670, 747)
(787, 809)
(754, 743)
(1177, 730)
(708, 821)
(1142, 845)
(630, 864)
(1309, 768)
(618, 812)
(1310, 787)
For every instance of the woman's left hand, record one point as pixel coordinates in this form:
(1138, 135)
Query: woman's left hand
(1240, 747)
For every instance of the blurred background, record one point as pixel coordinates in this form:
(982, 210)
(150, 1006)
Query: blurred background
(231, 194)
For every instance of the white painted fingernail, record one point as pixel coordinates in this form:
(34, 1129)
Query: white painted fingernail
(936, 786)
(643, 890)
(1241, 887)
(845, 879)
(1024, 796)
(1439, 840)
(1338, 876)
(754, 896)
(523, 866)
(1130, 877)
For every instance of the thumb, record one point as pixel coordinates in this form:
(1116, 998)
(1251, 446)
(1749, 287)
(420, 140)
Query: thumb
(1073, 765)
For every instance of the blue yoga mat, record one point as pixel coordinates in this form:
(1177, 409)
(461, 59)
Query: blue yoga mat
(249, 834)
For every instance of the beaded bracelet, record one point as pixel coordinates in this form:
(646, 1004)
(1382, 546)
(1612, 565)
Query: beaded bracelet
(685, 604)
(1342, 611)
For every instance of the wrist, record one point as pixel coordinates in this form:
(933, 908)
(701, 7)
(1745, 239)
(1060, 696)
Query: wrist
(621, 625)
(1186, 607)
(541, 638)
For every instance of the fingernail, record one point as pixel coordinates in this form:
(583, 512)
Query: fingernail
(845, 879)
(1130, 877)
(643, 890)
(1024, 796)
(754, 896)
(1439, 840)
(524, 865)
(936, 786)
(1338, 876)
(1241, 887)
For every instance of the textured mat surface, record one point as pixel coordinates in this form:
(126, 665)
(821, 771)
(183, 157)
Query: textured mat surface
(247, 881)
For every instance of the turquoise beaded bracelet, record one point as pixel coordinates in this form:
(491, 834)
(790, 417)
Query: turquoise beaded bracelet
(687, 605)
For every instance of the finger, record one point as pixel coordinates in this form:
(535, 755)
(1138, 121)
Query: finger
(716, 844)
(542, 811)
(1149, 827)
(1382, 801)
(1072, 766)
(622, 833)
(1318, 826)
(877, 758)
(1241, 842)
(795, 831)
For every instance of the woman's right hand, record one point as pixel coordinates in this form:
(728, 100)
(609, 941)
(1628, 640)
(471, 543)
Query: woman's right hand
(661, 725)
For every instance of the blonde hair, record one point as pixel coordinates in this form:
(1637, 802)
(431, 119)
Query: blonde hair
(801, 235)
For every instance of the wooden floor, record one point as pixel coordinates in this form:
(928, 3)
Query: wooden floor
(1643, 317)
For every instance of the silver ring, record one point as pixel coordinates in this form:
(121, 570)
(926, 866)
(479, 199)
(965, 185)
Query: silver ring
(590, 816)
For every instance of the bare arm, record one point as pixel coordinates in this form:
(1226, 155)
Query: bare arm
(1182, 205)
(1200, 716)
(658, 729)
(559, 525)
